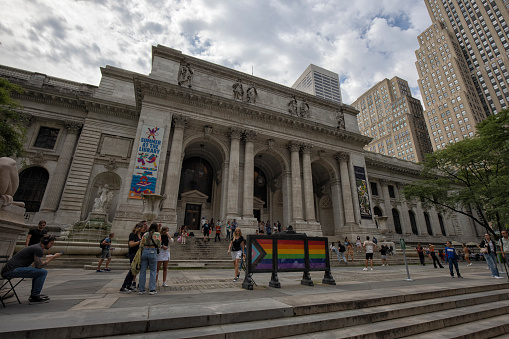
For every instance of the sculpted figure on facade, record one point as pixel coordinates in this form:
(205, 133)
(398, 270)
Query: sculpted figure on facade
(185, 77)
(304, 109)
(238, 90)
(251, 93)
(9, 181)
(340, 118)
(292, 106)
(103, 201)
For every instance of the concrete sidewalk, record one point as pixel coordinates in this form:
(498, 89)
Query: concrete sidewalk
(81, 297)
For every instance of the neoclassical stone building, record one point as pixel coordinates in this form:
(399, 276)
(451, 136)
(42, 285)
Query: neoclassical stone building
(218, 144)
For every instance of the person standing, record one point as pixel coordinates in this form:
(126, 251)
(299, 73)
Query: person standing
(466, 254)
(433, 256)
(218, 232)
(164, 253)
(504, 245)
(349, 252)
(150, 244)
(452, 258)
(358, 244)
(237, 250)
(278, 227)
(234, 226)
(20, 266)
(35, 234)
(206, 230)
(368, 246)
(106, 253)
(383, 255)
(489, 250)
(420, 252)
(228, 227)
(340, 252)
(129, 283)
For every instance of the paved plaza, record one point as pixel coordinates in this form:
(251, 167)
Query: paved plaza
(83, 297)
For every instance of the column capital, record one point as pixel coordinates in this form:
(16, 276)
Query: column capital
(342, 156)
(294, 146)
(249, 135)
(180, 121)
(306, 148)
(73, 127)
(383, 182)
(400, 185)
(234, 133)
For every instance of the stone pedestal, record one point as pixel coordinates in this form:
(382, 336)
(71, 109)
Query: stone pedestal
(12, 224)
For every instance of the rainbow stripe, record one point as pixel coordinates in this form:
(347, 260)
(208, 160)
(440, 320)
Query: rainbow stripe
(266, 262)
(290, 254)
(317, 254)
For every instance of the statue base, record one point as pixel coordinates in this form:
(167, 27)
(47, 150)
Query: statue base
(12, 224)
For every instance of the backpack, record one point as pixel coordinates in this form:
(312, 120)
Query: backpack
(101, 244)
(341, 248)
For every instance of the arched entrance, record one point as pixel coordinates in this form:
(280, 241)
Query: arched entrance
(32, 185)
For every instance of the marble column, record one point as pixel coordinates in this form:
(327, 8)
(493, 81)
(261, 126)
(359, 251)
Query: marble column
(387, 204)
(406, 226)
(296, 182)
(309, 207)
(57, 181)
(174, 164)
(233, 173)
(247, 206)
(337, 202)
(342, 159)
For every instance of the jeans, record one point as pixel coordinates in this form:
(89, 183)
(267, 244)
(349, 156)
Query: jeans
(129, 277)
(227, 234)
(455, 263)
(38, 276)
(148, 259)
(435, 260)
(341, 256)
(491, 259)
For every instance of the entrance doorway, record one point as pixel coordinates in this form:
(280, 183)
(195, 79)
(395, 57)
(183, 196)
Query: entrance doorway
(256, 214)
(193, 214)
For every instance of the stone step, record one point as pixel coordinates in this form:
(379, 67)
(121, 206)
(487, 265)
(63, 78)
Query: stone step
(391, 319)
(495, 327)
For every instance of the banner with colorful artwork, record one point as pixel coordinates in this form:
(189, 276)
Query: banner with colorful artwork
(147, 161)
(362, 192)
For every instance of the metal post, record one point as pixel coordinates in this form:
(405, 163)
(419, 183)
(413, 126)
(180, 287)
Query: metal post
(403, 246)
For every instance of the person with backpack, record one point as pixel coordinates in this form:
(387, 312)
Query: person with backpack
(340, 250)
(105, 245)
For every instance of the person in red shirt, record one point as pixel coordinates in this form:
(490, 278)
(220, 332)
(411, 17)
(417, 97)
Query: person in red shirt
(218, 231)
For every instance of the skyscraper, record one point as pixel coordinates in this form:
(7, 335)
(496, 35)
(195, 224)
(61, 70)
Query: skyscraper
(462, 65)
(394, 119)
(320, 82)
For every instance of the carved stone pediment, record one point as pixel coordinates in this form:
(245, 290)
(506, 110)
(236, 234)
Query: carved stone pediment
(258, 203)
(194, 196)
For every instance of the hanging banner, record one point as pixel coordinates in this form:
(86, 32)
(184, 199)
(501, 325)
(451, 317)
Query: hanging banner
(362, 192)
(147, 162)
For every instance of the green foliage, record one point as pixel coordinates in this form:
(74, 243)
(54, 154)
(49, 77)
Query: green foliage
(12, 123)
(470, 175)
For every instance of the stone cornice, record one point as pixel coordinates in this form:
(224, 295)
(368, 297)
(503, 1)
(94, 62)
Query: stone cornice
(117, 73)
(392, 165)
(147, 86)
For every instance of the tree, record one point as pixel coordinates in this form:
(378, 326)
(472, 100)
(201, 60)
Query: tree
(471, 176)
(12, 123)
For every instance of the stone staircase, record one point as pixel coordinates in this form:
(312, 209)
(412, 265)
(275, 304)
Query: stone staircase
(465, 312)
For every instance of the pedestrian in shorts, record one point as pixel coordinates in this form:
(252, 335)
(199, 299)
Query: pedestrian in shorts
(106, 253)
(368, 246)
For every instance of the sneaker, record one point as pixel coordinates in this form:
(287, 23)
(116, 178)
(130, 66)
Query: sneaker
(469, 264)
(383, 265)
(372, 268)
(459, 276)
(153, 292)
(235, 280)
(498, 277)
(107, 270)
(100, 271)
(36, 299)
(142, 292)
(165, 284)
(452, 275)
(44, 296)
(125, 290)
(365, 269)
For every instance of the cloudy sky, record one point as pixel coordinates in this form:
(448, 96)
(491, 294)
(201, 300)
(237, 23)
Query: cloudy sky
(364, 41)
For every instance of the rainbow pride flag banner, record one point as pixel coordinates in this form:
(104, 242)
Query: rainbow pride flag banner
(291, 254)
(317, 254)
(261, 254)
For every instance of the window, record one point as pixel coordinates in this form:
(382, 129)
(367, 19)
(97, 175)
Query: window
(413, 223)
(32, 185)
(46, 138)
(374, 188)
(428, 224)
(391, 191)
(442, 226)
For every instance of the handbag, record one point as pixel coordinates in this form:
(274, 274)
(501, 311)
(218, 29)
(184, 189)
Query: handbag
(136, 264)
(484, 250)
(179, 239)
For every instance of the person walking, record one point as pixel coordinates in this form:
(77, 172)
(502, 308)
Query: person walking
(150, 244)
(369, 247)
(218, 231)
(129, 283)
(20, 266)
(341, 252)
(420, 252)
(349, 252)
(466, 254)
(35, 235)
(206, 230)
(237, 250)
(383, 255)
(452, 258)
(504, 245)
(106, 253)
(164, 254)
(433, 256)
(489, 250)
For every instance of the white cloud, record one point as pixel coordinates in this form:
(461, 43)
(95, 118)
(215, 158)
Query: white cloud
(363, 41)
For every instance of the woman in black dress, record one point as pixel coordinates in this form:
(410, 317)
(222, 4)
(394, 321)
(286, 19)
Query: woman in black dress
(134, 244)
(237, 249)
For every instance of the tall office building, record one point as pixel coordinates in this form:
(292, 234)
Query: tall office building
(462, 65)
(394, 119)
(320, 82)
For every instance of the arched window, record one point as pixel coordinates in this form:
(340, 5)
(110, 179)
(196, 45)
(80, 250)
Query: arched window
(260, 185)
(428, 223)
(442, 226)
(377, 211)
(413, 223)
(197, 175)
(32, 185)
(397, 222)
